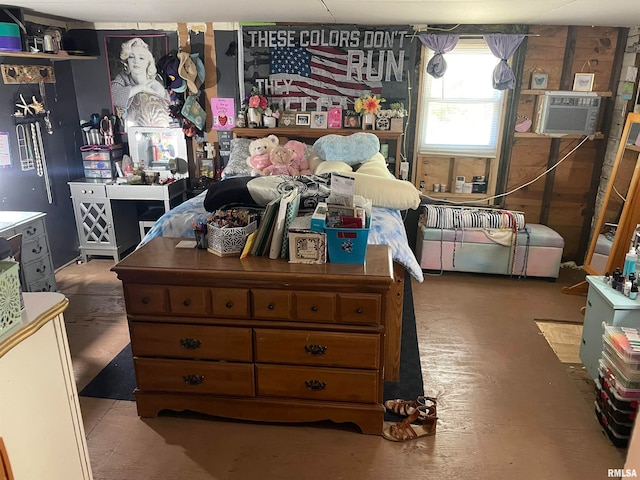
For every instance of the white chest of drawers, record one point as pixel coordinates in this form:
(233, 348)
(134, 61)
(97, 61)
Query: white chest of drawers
(36, 264)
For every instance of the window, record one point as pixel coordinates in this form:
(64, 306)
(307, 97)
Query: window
(460, 113)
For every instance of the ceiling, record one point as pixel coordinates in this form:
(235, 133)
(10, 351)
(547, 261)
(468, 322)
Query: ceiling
(614, 13)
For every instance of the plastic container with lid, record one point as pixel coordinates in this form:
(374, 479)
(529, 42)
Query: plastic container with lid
(630, 387)
(629, 368)
(625, 341)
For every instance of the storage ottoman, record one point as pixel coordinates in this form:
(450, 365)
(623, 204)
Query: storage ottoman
(537, 250)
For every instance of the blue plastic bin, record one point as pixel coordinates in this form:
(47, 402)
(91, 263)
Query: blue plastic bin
(347, 245)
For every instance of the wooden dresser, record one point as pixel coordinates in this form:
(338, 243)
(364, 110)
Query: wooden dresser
(258, 339)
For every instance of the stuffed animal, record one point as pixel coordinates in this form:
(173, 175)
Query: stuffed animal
(281, 158)
(299, 161)
(259, 150)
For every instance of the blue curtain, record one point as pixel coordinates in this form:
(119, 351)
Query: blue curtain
(439, 44)
(503, 46)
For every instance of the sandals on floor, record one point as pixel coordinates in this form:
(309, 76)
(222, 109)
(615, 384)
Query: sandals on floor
(424, 424)
(407, 407)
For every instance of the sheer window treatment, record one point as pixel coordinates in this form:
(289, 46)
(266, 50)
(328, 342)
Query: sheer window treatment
(439, 44)
(503, 46)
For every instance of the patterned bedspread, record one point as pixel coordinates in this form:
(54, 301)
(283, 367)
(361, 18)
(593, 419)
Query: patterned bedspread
(387, 228)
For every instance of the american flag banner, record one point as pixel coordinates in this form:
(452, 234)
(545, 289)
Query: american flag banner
(302, 67)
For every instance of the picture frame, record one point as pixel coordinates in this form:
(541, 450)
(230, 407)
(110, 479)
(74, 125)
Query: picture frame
(539, 80)
(583, 82)
(287, 119)
(352, 121)
(319, 119)
(121, 78)
(303, 119)
(334, 118)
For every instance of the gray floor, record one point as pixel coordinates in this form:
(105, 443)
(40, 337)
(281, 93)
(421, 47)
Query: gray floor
(507, 407)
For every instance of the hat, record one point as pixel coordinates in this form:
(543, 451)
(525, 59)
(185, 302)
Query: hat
(188, 70)
(200, 68)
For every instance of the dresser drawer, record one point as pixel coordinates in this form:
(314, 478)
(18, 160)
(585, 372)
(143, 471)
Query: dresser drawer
(356, 350)
(189, 300)
(189, 376)
(31, 230)
(230, 302)
(359, 308)
(146, 299)
(191, 341)
(37, 269)
(317, 383)
(272, 304)
(46, 284)
(84, 190)
(34, 248)
(315, 306)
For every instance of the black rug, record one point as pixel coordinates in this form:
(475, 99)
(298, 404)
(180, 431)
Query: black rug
(117, 380)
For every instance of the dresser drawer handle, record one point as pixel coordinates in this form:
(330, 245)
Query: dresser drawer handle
(314, 309)
(316, 349)
(190, 343)
(186, 302)
(31, 230)
(270, 306)
(589, 302)
(228, 304)
(41, 269)
(359, 310)
(315, 385)
(46, 288)
(145, 300)
(193, 379)
(37, 250)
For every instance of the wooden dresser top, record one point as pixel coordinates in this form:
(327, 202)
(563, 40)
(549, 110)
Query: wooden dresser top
(159, 261)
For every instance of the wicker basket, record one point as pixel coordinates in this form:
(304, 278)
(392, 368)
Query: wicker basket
(9, 295)
(228, 242)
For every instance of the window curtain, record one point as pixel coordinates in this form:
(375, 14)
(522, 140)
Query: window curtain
(503, 46)
(439, 44)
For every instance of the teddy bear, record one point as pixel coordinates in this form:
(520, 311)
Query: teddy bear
(299, 161)
(259, 150)
(281, 158)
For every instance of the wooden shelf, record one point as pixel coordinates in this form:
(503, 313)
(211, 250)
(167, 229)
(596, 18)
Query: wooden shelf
(596, 136)
(48, 56)
(312, 132)
(542, 92)
(634, 148)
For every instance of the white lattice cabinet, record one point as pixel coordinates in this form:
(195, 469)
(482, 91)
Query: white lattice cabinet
(104, 228)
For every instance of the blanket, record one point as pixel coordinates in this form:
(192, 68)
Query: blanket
(387, 228)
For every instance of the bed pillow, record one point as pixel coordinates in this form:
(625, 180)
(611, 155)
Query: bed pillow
(237, 165)
(351, 149)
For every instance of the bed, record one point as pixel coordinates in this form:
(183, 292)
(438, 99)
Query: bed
(373, 181)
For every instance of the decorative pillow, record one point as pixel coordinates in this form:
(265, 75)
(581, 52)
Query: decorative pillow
(237, 165)
(351, 149)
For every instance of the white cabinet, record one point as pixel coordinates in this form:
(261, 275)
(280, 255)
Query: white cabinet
(40, 420)
(608, 306)
(36, 264)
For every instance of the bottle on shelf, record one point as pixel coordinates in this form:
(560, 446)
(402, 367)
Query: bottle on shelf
(630, 261)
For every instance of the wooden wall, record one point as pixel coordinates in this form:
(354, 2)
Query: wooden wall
(563, 199)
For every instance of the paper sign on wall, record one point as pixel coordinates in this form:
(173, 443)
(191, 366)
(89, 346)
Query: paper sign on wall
(5, 154)
(222, 113)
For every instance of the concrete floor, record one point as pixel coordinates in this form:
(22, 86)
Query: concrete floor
(507, 407)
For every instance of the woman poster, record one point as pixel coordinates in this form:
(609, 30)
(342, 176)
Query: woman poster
(138, 95)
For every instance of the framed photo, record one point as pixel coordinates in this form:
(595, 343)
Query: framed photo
(303, 119)
(319, 119)
(583, 82)
(539, 81)
(352, 121)
(131, 62)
